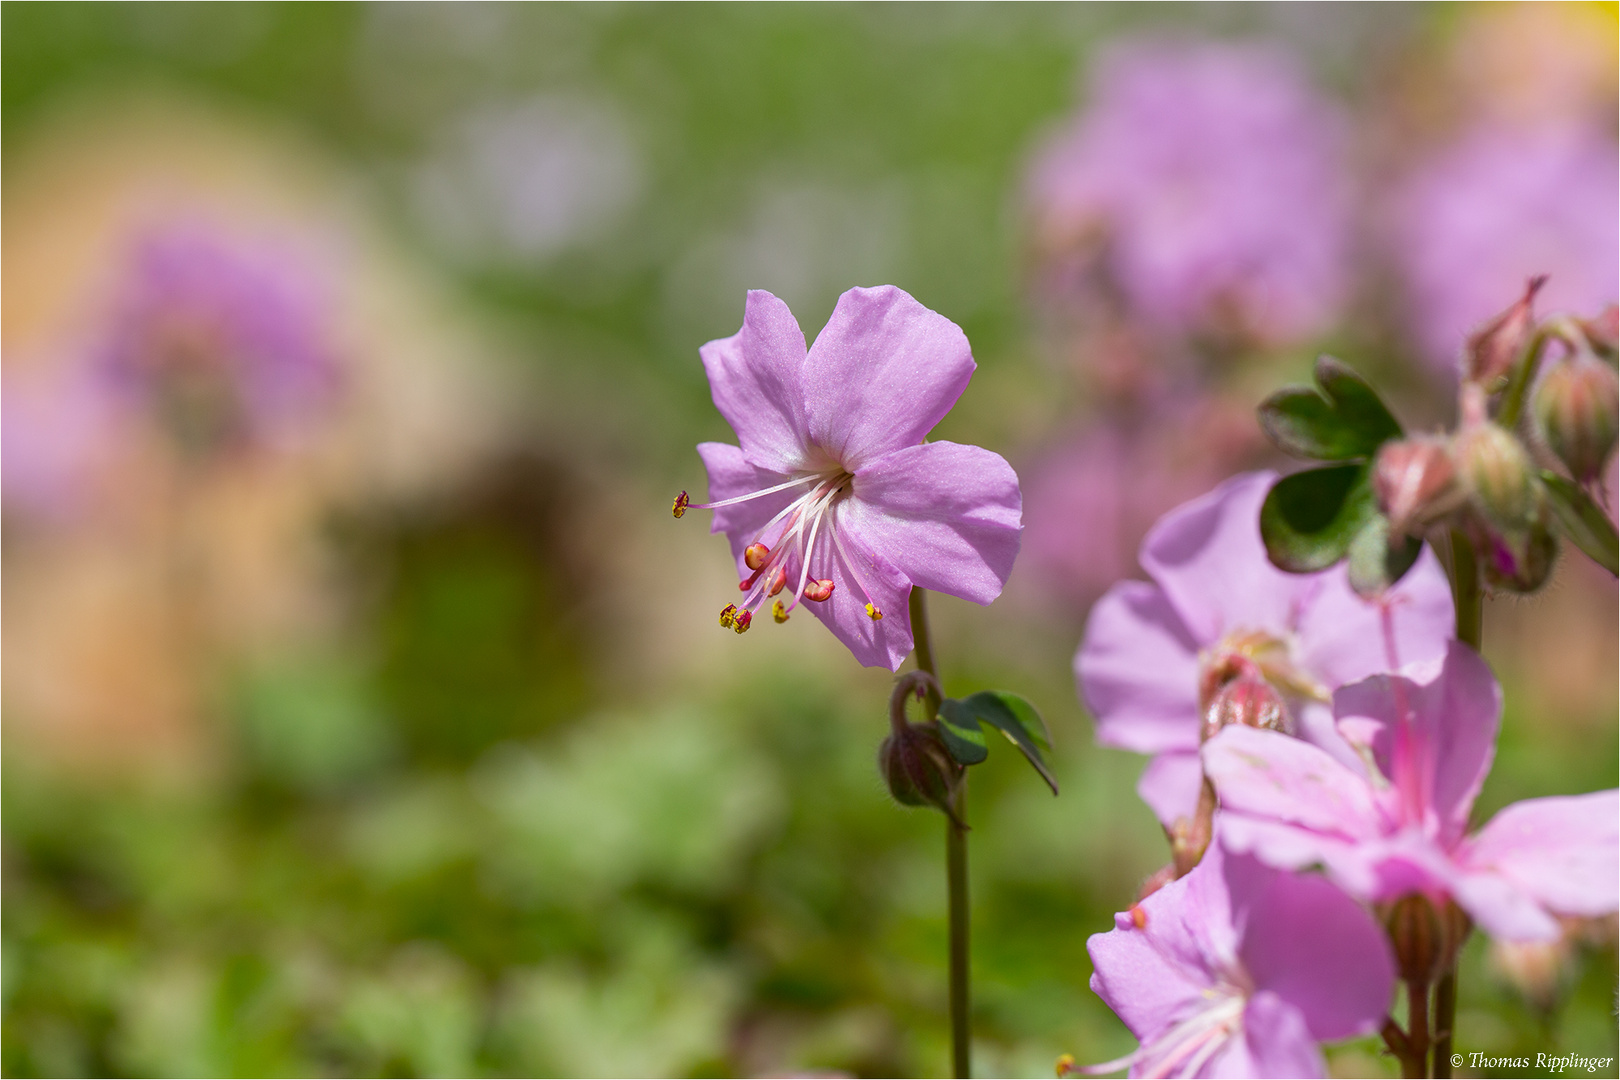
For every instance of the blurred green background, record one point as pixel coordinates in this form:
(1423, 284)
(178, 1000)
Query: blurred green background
(500, 799)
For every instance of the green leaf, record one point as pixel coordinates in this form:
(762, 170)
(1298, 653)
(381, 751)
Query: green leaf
(1010, 714)
(1378, 561)
(963, 736)
(1340, 420)
(1583, 520)
(1309, 519)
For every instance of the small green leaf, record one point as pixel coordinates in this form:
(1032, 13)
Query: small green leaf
(1309, 519)
(963, 736)
(1376, 561)
(1015, 718)
(1340, 420)
(1583, 520)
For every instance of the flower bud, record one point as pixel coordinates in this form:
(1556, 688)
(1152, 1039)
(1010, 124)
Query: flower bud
(1419, 936)
(918, 768)
(1537, 969)
(1518, 559)
(1603, 332)
(1249, 700)
(1575, 408)
(1415, 482)
(1494, 348)
(1496, 472)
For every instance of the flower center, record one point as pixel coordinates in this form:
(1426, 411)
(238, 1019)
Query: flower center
(780, 554)
(1254, 655)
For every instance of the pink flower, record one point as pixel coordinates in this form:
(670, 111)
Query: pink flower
(833, 497)
(1241, 970)
(1398, 823)
(1213, 177)
(1152, 652)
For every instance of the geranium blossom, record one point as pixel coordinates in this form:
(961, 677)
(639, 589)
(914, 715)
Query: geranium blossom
(833, 498)
(1153, 651)
(1241, 970)
(1397, 824)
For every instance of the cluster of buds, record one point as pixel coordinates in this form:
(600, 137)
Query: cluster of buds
(1483, 478)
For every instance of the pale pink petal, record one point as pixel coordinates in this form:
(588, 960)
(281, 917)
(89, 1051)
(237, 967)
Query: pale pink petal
(1150, 975)
(881, 374)
(1137, 670)
(1503, 909)
(756, 377)
(1267, 774)
(1289, 847)
(1341, 635)
(1170, 785)
(1562, 851)
(1454, 715)
(946, 515)
(860, 574)
(1208, 557)
(731, 474)
(1276, 1042)
(1317, 949)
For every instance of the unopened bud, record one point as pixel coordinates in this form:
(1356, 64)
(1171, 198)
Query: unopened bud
(1415, 482)
(1518, 559)
(1603, 332)
(755, 556)
(1537, 969)
(1248, 700)
(1419, 937)
(1496, 472)
(1575, 409)
(1494, 348)
(918, 768)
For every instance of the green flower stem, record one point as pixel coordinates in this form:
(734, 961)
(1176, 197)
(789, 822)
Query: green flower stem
(955, 858)
(1466, 597)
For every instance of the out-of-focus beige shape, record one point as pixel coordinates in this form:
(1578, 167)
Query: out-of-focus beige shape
(119, 619)
(1538, 63)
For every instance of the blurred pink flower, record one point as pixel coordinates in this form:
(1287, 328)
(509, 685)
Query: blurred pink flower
(1397, 823)
(1478, 219)
(1240, 970)
(1211, 179)
(222, 339)
(56, 425)
(1151, 650)
(833, 473)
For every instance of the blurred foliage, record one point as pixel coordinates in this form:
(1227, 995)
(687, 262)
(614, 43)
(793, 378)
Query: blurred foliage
(455, 847)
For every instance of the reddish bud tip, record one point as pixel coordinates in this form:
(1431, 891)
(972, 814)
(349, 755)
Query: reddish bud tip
(1494, 348)
(1248, 700)
(1603, 332)
(1415, 482)
(918, 769)
(1576, 409)
(681, 503)
(818, 590)
(755, 556)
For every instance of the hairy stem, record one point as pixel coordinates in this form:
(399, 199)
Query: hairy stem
(955, 856)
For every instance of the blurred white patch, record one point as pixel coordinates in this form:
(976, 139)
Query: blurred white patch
(526, 181)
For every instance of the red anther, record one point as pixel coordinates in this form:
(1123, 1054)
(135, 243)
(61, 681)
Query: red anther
(741, 621)
(728, 615)
(681, 503)
(818, 590)
(778, 580)
(756, 556)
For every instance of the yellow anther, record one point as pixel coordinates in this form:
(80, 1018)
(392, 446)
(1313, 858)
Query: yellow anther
(873, 613)
(681, 503)
(779, 612)
(1065, 1066)
(728, 615)
(742, 621)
